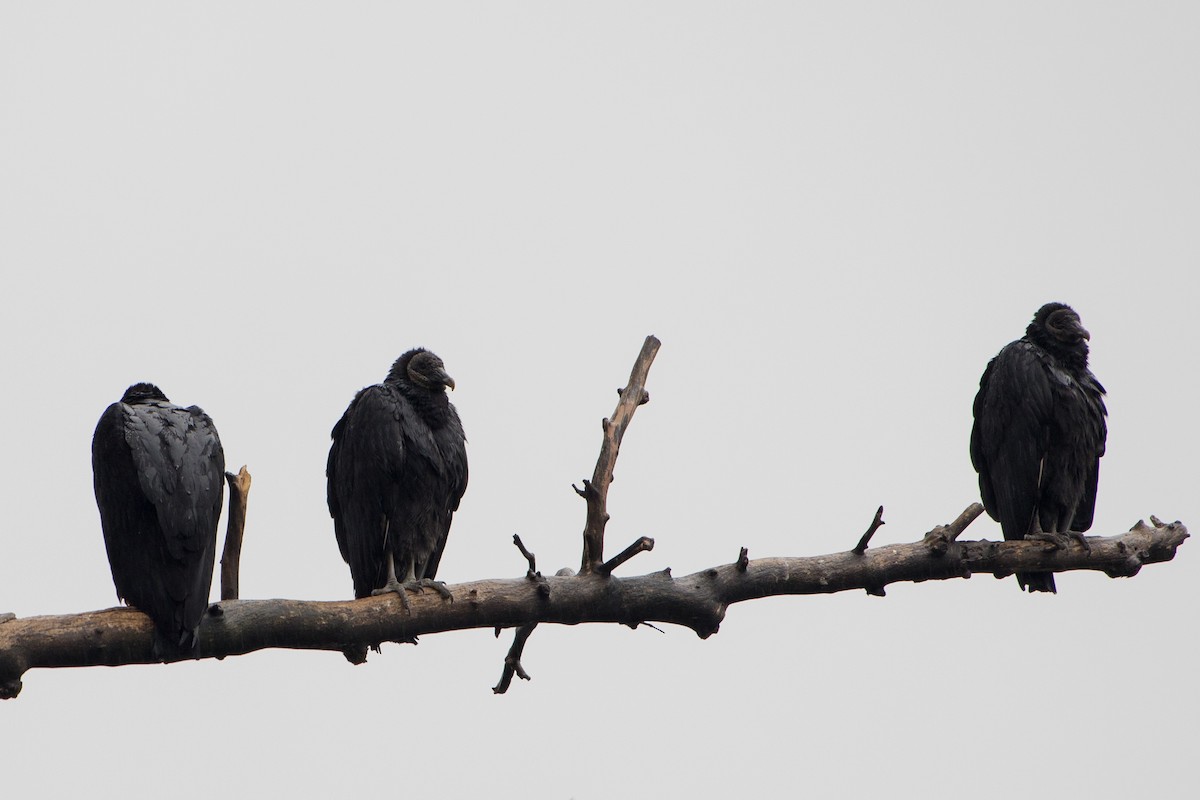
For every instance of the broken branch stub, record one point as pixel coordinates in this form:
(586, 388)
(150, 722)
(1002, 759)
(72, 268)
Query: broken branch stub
(235, 529)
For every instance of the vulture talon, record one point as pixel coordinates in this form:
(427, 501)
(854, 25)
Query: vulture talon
(437, 586)
(1054, 541)
(399, 589)
(1083, 542)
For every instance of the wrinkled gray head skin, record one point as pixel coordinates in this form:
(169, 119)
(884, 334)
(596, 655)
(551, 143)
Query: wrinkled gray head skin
(422, 368)
(1061, 322)
(1057, 328)
(140, 392)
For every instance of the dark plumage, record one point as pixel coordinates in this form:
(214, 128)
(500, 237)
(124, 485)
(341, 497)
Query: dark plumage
(1039, 434)
(159, 474)
(396, 472)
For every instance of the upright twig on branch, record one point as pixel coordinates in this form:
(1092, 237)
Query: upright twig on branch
(529, 557)
(640, 546)
(940, 538)
(743, 562)
(231, 556)
(595, 491)
(876, 523)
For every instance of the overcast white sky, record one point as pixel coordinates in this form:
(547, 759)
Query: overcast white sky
(832, 214)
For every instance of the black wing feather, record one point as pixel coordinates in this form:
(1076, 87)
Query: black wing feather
(1092, 441)
(452, 449)
(159, 480)
(393, 482)
(368, 446)
(1013, 411)
(181, 471)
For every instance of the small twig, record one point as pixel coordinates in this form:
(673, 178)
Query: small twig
(532, 573)
(938, 540)
(595, 492)
(743, 560)
(640, 546)
(969, 515)
(512, 662)
(876, 523)
(530, 557)
(239, 496)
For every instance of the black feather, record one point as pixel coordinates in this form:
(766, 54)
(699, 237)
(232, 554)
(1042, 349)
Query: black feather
(159, 476)
(1039, 433)
(397, 470)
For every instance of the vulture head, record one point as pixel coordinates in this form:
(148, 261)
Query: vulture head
(143, 391)
(1057, 328)
(421, 368)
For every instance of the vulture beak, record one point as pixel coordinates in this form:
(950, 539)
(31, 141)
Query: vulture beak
(446, 379)
(1076, 328)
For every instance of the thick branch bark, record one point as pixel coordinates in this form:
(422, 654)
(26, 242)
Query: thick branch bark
(697, 601)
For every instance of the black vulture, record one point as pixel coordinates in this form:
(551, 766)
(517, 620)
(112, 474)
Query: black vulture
(159, 474)
(1039, 434)
(397, 469)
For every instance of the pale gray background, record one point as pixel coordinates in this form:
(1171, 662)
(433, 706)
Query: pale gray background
(832, 215)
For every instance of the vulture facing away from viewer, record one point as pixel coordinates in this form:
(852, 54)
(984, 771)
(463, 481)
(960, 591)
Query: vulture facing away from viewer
(159, 475)
(1039, 434)
(396, 472)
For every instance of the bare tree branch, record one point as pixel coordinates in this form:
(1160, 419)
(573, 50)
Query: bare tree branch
(512, 662)
(530, 557)
(231, 557)
(940, 538)
(595, 491)
(697, 601)
(642, 545)
(875, 525)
